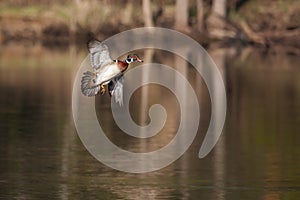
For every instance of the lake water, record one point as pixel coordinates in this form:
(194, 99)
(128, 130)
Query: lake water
(256, 157)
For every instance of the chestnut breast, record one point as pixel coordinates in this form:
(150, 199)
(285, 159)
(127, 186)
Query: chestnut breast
(122, 65)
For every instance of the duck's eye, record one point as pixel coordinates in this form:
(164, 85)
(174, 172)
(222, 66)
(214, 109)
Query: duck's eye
(130, 60)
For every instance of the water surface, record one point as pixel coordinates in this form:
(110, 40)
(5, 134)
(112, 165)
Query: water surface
(257, 156)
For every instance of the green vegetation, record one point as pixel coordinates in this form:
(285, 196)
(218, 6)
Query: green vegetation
(268, 15)
(27, 11)
(261, 21)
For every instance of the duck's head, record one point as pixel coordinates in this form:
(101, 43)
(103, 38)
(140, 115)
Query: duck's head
(133, 58)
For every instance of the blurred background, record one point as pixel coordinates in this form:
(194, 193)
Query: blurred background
(254, 43)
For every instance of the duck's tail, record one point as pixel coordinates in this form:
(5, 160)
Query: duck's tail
(88, 84)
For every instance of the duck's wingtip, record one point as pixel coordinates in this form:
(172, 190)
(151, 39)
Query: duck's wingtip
(88, 88)
(95, 45)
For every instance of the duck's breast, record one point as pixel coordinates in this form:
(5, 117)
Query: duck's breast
(108, 72)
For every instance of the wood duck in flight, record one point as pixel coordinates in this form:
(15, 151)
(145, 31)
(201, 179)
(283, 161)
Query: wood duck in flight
(106, 71)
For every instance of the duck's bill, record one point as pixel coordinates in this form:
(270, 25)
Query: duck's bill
(139, 60)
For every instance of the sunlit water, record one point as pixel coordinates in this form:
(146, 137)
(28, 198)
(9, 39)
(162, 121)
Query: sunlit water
(257, 156)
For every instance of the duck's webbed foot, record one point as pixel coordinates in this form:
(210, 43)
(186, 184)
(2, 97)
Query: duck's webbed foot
(102, 90)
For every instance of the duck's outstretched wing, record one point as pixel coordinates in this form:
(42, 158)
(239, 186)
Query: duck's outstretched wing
(88, 86)
(99, 54)
(115, 88)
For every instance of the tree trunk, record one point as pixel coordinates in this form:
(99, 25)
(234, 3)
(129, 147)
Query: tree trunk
(217, 25)
(200, 15)
(147, 13)
(219, 8)
(181, 15)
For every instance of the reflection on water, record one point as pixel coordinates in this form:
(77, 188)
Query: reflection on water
(255, 158)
